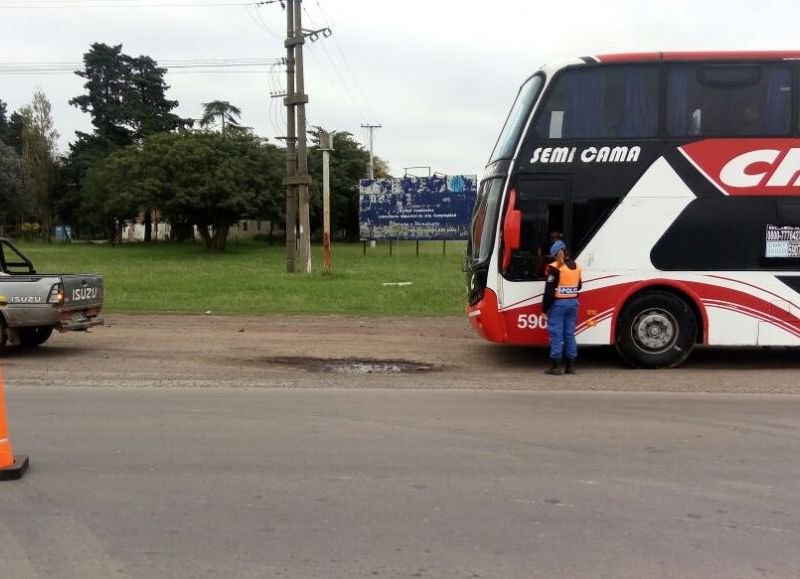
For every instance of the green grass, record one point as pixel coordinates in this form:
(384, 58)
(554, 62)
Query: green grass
(251, 278)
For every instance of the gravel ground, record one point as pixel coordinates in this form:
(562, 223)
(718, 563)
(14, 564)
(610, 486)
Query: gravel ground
(360, 352)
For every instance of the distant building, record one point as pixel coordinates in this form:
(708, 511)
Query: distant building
(245, 229)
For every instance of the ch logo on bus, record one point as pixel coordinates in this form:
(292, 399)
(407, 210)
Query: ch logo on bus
(748, 167)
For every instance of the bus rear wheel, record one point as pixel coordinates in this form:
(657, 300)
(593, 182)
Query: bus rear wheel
(656, 330)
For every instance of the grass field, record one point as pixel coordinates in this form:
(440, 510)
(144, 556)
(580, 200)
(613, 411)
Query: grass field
(250, 278)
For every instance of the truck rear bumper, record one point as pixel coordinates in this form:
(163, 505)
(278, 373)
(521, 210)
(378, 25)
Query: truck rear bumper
(78, 324)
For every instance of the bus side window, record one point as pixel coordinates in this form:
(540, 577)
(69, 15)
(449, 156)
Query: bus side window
(603, 103)
(729, 100)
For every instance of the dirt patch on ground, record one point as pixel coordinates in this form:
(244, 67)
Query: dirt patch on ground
(351, 365)
(359, 352)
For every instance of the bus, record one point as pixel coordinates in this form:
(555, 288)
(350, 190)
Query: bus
(674, 179)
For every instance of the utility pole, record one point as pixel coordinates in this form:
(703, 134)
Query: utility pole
(371, 162)
(326, 146)
(297, 177)
(302, 176)
(291, 151)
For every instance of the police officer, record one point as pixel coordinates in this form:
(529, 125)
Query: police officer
(560, 305)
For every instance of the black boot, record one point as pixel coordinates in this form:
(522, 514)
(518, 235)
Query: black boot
(570, 366)
(555, 367)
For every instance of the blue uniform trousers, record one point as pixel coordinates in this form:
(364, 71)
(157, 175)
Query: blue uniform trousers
(561, 328)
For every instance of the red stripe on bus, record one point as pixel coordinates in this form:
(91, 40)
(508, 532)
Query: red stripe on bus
(702, 55)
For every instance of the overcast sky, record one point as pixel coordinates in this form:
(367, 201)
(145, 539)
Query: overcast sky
(439, 75)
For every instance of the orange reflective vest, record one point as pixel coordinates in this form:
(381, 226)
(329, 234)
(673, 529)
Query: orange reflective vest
(568, 281)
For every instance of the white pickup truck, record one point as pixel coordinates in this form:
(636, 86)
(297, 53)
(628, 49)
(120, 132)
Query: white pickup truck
(38, 303)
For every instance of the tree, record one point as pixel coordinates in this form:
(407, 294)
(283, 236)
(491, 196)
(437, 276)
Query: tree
(204, 179)
(13, 131)
(73, 204)
(3, 120)
(348, 162)
(113, 188)
(224, 111)
(39, 159)
(14, 202)
(216, 180)
(126, 96)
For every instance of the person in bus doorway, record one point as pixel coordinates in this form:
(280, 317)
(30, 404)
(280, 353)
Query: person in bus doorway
(560, 305)
(541, 257)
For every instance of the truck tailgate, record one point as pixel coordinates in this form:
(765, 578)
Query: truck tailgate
(83, 300)
(82, 291)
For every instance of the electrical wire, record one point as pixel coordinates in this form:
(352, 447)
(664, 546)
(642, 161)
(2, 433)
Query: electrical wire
(197, 65)
(256, 17)
(330, 23)
(38, 4)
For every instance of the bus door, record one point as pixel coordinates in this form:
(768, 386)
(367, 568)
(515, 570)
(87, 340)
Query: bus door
(535, 216)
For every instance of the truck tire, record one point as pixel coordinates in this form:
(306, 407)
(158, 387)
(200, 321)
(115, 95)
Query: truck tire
(656, 330)
(31, 337)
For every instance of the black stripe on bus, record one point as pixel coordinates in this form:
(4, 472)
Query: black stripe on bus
(793, 281)
(694, 179)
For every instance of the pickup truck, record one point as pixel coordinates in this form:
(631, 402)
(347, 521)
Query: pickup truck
(38, 303)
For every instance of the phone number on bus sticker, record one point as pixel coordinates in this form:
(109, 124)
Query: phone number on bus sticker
(619, 154)
(783, 241)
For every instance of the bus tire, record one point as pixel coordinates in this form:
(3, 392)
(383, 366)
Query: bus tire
(656, 330)
(3, 335)
(35, 336)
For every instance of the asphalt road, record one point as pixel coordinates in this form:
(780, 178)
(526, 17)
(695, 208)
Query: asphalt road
(342, 447)
(391, 482)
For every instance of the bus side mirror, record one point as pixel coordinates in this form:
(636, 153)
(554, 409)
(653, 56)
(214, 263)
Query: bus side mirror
(512, 228)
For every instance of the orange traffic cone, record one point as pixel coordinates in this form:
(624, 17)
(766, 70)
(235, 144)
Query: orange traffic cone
(11, 468)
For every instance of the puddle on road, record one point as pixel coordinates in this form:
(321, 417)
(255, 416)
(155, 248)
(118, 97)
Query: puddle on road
(353, 365)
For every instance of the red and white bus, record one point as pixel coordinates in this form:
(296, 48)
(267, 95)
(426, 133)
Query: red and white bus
(675, 180)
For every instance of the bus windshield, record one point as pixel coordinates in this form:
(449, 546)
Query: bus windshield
(506, 143)
(484, 219)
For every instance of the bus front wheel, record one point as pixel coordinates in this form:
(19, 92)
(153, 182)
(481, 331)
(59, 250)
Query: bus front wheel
(656, 330)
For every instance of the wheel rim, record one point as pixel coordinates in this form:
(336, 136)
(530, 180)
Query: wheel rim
(655, 330)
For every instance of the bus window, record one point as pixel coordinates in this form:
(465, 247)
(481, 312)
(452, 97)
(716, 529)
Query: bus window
(729, 100)
(507, 142)
(602, 103)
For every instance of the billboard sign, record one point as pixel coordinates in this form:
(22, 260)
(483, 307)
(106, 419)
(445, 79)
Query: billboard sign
(417, 208)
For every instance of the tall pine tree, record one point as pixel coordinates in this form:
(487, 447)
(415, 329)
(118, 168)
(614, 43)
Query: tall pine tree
(126, 97)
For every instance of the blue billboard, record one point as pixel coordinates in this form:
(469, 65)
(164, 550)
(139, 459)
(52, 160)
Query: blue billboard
(417, 208)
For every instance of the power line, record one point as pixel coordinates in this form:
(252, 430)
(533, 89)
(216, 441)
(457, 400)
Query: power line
(329, 22)
(256, 17)
(118, 4)
(346, 96)
(197, 65)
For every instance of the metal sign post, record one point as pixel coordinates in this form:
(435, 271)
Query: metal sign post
(326, 146)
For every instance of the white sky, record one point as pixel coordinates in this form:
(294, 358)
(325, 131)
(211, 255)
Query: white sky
(439, 75)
